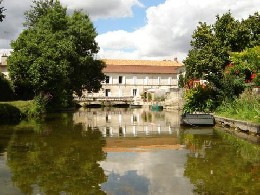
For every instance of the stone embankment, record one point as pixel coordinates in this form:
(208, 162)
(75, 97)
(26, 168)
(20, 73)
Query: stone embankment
(240, 128)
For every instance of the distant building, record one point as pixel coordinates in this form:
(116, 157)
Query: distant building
(3, 65)
(130, 78)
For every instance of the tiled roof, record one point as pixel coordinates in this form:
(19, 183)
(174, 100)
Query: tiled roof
(142, 62)
(140, 69)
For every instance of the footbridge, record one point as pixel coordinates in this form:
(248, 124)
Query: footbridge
(105, 101)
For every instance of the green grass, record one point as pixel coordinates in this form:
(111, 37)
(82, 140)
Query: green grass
(246, 107)
(15, 110)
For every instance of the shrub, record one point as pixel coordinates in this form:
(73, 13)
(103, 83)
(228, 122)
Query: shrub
(246, 107)
(6, 90)
(9, 113)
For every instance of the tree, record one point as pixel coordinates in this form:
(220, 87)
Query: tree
(210, 53)
(252, 24)
(247, 61)
(2, 16)
(6, 89)
(55, 54)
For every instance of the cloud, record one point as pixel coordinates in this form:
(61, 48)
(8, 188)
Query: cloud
(167, 33)
(12, 26)
(105, 9)
(154, 166)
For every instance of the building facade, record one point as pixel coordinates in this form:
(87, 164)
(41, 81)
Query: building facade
(130, 78)
(3, 65)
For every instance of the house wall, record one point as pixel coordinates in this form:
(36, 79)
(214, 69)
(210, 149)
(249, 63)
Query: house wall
(3, 65)
(136, 84)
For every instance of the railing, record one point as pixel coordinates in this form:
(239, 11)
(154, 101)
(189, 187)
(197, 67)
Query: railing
(116, 98)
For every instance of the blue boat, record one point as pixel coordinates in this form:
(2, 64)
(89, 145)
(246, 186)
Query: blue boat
(156, 107)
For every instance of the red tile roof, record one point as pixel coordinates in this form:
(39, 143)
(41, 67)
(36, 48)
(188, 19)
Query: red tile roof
(142, 62)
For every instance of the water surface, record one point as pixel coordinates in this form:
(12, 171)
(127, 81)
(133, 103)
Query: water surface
(124, 151)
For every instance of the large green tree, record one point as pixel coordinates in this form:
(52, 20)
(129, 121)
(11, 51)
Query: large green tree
(54, 56)
(210, 54)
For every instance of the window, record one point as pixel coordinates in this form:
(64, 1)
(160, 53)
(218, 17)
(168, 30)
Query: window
(146, 80)
(134, 80)
(108, 92)
(159, 80)
(107, 79)
(120, 79)
(169, 80)
(134, 92)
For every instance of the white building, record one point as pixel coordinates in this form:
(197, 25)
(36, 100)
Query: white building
(3, 65)
(4, 53)
(130, 78)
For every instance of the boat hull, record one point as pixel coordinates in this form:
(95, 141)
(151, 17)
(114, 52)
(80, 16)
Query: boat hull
(197, 120)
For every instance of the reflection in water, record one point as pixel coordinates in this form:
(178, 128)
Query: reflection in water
(60, 158)
(118, 151)
(129, 122)
(222, 163)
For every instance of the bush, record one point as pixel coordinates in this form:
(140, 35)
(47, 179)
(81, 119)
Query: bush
(9, 113)
(16, 110)
(246, 107)
(6, 90)
(200, 98)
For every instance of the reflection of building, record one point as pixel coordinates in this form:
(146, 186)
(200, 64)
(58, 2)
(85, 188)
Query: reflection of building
(130, 78)
(121, 122)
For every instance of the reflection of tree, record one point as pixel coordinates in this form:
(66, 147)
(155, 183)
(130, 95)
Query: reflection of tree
(62, 158)
(5, 136)
(224, 168)
(146, 116)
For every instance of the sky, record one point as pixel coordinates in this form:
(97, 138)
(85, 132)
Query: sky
(137, 29)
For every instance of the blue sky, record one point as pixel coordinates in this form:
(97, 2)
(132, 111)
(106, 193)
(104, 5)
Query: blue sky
(137, 29)
(131, 23)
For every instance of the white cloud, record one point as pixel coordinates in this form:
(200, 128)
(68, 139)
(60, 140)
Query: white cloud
(104, 9)
(167, 33)
(154, 166)
(12, 26)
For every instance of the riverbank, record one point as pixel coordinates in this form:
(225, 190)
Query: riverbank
(243, 129)
(15, 111)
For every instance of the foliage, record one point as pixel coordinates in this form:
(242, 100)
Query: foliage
(246, 61)
(38, 107)
(210, 53)
(246, 107)
(17, 110)
(23, 106)
(6, 89)
(54, 55)
(232, 86)
(9, 113)
(181, 81)
(2, 16)
(198, 99)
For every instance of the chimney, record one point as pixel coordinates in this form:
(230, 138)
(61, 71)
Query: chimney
(175, 59)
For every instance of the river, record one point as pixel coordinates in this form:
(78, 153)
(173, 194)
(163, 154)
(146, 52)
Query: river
(121, 151)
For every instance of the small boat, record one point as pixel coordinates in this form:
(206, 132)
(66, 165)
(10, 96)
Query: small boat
(188, 119)
(156, 107)
(135, 106)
